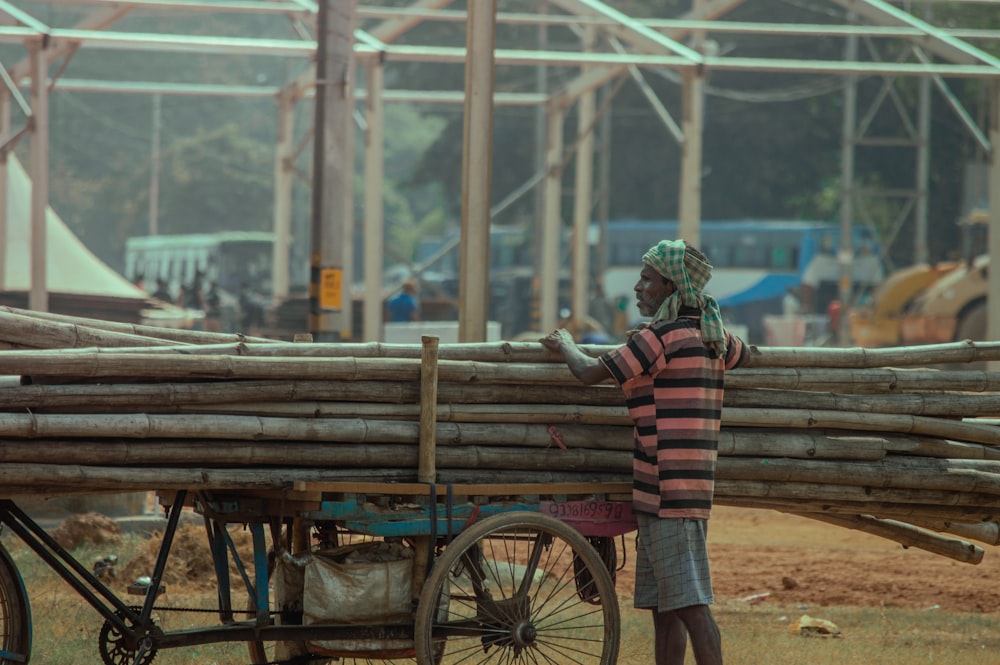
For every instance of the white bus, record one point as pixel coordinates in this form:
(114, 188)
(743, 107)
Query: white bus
(237, 264)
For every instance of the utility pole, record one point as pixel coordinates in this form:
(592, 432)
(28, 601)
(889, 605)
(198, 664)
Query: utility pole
(331, 254)
(154, 169)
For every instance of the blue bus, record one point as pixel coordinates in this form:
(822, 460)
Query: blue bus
(756, 262)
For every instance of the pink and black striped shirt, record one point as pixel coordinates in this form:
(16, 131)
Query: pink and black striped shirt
(673, 387)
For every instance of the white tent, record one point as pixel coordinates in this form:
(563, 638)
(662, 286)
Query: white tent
(71, 268)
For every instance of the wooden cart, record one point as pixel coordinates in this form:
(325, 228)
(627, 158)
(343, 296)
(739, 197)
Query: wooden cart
(495, 574)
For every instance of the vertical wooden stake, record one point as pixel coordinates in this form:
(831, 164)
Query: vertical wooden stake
(427, 465)
(299, 537)
(427, 468)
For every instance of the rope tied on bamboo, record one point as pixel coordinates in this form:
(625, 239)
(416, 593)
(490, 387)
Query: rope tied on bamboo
(34, 422)
(557, 437)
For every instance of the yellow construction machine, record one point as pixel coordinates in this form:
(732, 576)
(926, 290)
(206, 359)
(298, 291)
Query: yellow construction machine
(951, 309)
(877, 323)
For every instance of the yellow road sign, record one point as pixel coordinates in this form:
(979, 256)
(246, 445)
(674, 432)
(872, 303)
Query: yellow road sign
(331, 288)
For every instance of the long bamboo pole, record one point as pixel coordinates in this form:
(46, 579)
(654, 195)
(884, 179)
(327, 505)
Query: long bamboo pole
(110, 363)
(88, 364)
(952, 404)
(862, 496)
(908, 535)
(165, 394)
(956, 352)
(882, 380)
(33, 332)
(160, 333)
(892, 472)
(984, 532)
(906, 512)
(356, 430)
(868, 422)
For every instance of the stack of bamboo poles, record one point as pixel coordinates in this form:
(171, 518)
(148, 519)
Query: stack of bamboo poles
(876, 440)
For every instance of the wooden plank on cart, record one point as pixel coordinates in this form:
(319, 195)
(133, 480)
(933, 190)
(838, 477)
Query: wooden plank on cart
(467, 489)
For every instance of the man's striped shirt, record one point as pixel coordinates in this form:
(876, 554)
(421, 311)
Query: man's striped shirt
(673, 387)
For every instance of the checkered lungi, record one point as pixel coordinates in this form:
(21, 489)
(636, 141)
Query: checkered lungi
(671, 566)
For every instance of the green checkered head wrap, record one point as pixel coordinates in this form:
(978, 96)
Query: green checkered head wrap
(689, 274)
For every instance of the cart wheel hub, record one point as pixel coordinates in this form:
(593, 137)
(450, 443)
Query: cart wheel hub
(524, 634)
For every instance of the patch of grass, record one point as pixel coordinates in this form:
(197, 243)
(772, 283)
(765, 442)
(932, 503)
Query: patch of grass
(762, 635)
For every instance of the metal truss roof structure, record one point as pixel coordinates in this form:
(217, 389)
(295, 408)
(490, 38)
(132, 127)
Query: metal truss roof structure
(901, 40)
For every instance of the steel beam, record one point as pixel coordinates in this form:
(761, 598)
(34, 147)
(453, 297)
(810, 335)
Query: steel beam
(22, 17)
(674, 25)
(213, 6)
(94, 21)
(693, 123)
(630, 30)
(548, 289)
(70, 38)
(934, 39)
(374, 242)
(477, 173)
(38, 293)
(284, 160)
(583, 196)
(993, 240)
(4, 132)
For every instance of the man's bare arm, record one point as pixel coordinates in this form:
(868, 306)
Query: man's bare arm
(588, 369)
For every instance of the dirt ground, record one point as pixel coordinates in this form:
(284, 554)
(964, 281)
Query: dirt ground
(803, 562)
(758, 556)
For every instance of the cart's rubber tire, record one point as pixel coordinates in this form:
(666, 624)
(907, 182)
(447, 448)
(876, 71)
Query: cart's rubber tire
(533, 612)
(15, 614)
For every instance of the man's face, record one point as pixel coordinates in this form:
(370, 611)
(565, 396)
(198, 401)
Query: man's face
(651, 290)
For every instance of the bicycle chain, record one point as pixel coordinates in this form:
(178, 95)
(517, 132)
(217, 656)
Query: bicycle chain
(158, 608)
(203, 610)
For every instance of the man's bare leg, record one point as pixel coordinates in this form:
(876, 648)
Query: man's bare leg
(706, 641)
(670, 638)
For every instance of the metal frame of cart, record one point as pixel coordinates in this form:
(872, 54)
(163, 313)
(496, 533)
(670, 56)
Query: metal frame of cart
(511, 578)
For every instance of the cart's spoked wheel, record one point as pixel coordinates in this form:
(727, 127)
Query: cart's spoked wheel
(518, 588)
(15, 614)
(115, 649)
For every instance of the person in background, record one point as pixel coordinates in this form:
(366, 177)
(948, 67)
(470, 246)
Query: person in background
(672, 373)
(404, 306)
(213, 309)
(192, 297)
(162, 291)
(790, 304)
(252, 310)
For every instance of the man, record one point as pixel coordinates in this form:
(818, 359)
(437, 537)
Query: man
(404, 306)
(672, 373)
